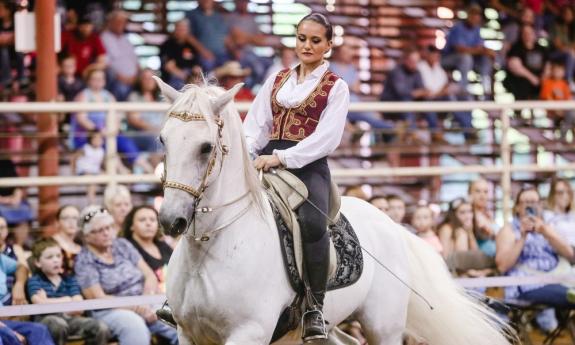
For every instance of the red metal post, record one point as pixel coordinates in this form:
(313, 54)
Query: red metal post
(46, 91)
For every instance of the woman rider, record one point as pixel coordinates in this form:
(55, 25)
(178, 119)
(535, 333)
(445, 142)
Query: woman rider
(296, 120)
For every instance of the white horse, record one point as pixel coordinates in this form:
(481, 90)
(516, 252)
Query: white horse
(227, 283)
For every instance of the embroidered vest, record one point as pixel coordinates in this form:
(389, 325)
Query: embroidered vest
(299, 122)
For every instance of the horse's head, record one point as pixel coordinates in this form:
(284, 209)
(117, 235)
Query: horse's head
(195, 145)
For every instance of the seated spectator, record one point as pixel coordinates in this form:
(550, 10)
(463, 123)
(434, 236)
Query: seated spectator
(16, 211)
(108, 266)
(342, 64)
(89, 160)
(118, 201)
(9, 59)
(512, 29)
(179, 56)
(19, 332)
(83, 122)
(13, 274)
(484, 226)
(49, 285)
(526, 63)
(147, 123)
(122, 59)
(440, 88)
(6, 248)
(85, 45)
(456, 230)
(380, 202)
(404, 84)
(212, 31)
(396, 210)
(422, 222)
(230, 74)
(69, 84)
(141, 228)
(244, 35)
(285, 57)
(460, 248)
(560, 209)
(67, 234)
(465, 50)
(562, 38)
(555, 88)
(529, 246)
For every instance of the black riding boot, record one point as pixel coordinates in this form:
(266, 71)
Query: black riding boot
(316, 267)
(165, 315)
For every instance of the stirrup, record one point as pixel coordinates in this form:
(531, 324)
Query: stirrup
(320, 333)
(165, 315)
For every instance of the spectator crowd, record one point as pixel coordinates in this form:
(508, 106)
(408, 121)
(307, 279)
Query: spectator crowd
(118, 249)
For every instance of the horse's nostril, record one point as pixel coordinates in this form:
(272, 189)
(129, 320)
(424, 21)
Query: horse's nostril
(179, 226)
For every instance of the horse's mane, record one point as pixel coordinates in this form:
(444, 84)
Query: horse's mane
(200, 96)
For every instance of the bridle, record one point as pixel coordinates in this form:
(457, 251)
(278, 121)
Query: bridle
(198, 192)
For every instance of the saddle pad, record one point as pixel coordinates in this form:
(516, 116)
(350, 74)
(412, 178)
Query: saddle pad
(348, 253)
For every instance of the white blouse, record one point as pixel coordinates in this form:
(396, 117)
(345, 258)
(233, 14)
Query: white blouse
(326, 137)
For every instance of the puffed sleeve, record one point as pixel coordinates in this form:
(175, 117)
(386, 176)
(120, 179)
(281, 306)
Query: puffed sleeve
(259, 120)
(328, 132)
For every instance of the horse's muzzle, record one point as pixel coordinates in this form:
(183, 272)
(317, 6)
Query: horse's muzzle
(171, 226)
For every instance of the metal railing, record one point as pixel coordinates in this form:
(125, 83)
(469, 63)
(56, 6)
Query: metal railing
(505, 169)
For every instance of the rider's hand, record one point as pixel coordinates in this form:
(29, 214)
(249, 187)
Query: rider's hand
(267, 162)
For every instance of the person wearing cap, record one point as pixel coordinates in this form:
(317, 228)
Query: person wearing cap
(108, 266)
(85, 45)
(465, 50)
(230, 74)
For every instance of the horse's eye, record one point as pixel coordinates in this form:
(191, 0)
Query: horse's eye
(161, 140)
(206, 148)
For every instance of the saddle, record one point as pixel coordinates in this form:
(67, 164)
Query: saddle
(286, 193)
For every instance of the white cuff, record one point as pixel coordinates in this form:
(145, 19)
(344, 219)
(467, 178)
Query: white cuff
(281, 155)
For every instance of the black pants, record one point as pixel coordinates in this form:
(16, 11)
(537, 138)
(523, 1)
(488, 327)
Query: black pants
(316, 177)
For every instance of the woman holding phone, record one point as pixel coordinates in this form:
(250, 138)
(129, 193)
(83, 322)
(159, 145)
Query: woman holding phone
(529, 246)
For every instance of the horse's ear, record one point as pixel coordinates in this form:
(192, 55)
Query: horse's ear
(169, 92)
(219, 103)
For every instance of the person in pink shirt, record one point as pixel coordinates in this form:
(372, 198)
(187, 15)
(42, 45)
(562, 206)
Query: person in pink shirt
(422, 222)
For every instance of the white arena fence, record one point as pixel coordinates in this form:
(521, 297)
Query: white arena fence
(505, 169)
(119, 302)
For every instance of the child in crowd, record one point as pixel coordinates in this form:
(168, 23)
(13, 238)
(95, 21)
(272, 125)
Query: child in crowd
(422, 222)
(396, 210)
(12, 274)
(89, 160)
(556, 88)
(16, 332)
(69, 85)
(49, 285)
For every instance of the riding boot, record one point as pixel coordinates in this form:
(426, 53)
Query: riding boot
(316, 267)
(165, 315)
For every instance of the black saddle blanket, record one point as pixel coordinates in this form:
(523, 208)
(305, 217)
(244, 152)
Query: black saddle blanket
(348, 253)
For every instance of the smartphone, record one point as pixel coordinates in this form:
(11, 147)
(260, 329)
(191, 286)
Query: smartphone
(531, 211)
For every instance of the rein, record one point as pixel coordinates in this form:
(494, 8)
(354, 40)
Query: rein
(198, 192)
